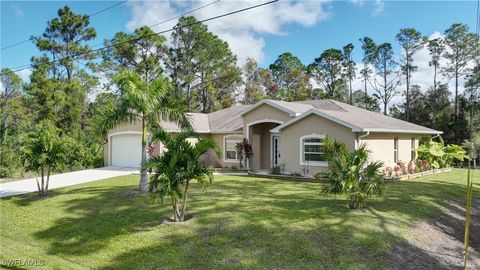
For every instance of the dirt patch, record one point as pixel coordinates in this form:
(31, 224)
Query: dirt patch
(437, 243)
(167, 221)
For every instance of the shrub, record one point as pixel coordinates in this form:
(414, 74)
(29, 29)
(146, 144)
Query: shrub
(10, 159)
(411, 167)
(422, 165)
(350, 173)
(388, 171)
(440, 156)
(296, 174)
(276, 170)
(177, 167)
(239, 148)
(402, 169)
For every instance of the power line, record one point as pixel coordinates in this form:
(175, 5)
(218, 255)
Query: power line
(107, 8)
(156, 33)
(91, 15)
(173, 18)
(186, 13)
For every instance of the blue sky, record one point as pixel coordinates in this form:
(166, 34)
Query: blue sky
(303, 28)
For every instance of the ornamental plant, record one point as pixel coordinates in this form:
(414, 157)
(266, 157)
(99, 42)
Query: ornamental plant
(177, 167)
(351, 173)
(439, 155)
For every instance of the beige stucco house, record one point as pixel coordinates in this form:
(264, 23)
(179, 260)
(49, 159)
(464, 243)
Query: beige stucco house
(288, 133)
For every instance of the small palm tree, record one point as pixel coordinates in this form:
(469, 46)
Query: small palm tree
(473, 148)
(351, 173)
(176, 167)
(149, 102)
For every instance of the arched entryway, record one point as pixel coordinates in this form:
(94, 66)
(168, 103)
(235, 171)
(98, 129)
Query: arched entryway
(265, 144)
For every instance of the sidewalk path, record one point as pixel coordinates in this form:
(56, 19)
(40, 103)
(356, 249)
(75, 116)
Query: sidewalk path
(64, 180)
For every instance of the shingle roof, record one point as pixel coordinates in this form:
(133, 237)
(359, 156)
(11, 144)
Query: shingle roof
(358, 119)
(366, 119)
(297, 107)
(226, 120)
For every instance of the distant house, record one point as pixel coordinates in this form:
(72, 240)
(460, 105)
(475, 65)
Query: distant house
(289, 133)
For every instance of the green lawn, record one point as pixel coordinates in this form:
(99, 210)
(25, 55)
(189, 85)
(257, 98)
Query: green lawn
(239, 222)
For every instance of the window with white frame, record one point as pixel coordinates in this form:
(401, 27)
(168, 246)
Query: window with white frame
(395, 150)
(312, 150)
(230, 150)
(412, 146)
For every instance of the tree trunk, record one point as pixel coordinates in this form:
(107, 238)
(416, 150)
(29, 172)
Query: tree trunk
(38, 183)
(184, 206)
(434, 78)
(407, 103)
(176, 215)
(351, 98)
(42, 186)
(366, 93)
(456, 108)
(385, 84)
(143, 186)
(471, 122)
(189, 103)
(48, 180)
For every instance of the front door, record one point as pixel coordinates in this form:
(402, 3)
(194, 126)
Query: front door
(275, 150)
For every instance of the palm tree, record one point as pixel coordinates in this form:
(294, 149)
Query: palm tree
(473, 148)
(148, 102)
(176, 167)
(351, 173)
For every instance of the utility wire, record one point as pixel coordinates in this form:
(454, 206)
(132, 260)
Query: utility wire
(107, 8)
(91, 15)
(186, 13)
(173, 18)
(156, 33)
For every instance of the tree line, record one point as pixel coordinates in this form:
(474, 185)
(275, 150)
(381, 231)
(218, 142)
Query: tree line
(205, 76)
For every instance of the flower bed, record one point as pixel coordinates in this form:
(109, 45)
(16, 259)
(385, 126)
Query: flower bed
(286, 177)
(229, 170)
(416, 175)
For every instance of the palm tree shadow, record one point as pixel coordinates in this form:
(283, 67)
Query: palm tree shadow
(240, 220)
(94, 220)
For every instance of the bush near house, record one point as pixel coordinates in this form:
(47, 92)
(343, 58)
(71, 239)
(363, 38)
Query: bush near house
(351, 174)
(439, 155)
(431, 155)
(177, 167)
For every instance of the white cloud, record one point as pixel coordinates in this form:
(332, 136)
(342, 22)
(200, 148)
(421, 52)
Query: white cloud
(379, 7)
(17, 11)
(24, 74)
(243, 31)
(358, 3)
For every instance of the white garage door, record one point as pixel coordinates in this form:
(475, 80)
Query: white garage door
(127, 150)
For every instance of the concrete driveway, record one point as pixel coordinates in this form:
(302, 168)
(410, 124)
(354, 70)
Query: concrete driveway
(64, 180)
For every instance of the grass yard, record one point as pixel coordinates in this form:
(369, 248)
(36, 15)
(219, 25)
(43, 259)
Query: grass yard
(239, 222)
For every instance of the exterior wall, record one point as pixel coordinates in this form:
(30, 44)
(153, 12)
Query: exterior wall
(264, 113)
(135, 126)
(219, 139)
(258, 133)
(106, 158)
(260, 139)
(312, 124)
(381, 146)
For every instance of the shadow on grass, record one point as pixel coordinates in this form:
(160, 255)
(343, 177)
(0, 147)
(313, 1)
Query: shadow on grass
(245, 223)
(94, 219)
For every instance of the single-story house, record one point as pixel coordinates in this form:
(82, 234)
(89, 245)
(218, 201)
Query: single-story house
(288, 133)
